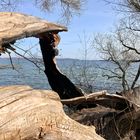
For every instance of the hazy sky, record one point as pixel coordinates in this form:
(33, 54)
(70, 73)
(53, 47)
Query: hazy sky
(95, 17)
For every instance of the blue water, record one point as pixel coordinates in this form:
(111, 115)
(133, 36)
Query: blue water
(82, 73)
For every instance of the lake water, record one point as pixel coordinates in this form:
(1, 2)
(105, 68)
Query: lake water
(80, 72)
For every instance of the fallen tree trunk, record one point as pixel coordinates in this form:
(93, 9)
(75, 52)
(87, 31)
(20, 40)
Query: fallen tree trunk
(27, 114)
(16, 26)
(101, 98)
(118, 119)
(111, 124)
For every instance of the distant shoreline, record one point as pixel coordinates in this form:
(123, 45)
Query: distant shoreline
(59, 58)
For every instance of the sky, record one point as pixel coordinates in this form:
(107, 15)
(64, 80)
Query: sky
(96, 17)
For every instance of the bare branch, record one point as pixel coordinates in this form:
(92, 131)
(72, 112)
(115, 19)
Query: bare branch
(68, 8)
(23, 56)
(89, 97)
(113, 50)
(128, 47)
(9, 5)
(11, 60)
(131, 6)
(136, 78)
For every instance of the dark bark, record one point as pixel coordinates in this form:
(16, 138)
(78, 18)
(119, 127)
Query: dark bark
(136, 78)
(58, 81)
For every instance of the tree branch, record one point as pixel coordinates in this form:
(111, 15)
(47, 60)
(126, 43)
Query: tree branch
(102, 98)
(87, 98)
(136, 78)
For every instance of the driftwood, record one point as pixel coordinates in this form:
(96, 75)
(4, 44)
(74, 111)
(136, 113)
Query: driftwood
(87, 98)
(27, 114)
(101, 98)
(14, 26)
(118, 119)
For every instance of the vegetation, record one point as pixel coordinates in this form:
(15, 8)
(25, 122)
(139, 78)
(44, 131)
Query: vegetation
(67, 8)
(115, 49)
(121, 47)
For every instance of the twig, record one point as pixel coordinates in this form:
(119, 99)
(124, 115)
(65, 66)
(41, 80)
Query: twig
(11, 60)
(27, 59)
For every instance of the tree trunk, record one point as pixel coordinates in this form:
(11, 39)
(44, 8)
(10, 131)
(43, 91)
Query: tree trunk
(28, 114)
(58, 81)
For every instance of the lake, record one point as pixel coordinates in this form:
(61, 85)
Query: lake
(85, 74)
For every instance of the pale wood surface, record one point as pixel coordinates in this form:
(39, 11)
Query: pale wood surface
(28, 114)
(15, 26)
